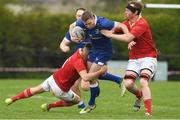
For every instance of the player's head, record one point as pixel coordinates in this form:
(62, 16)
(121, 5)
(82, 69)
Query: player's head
(85, 49)
(133, 9)
(79, 12)
(88, 19)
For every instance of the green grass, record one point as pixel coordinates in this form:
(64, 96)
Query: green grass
(166, 103)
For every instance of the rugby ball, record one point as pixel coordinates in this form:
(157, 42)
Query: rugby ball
(78, 32)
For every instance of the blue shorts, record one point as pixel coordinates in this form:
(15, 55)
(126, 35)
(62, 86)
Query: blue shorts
(99, 57)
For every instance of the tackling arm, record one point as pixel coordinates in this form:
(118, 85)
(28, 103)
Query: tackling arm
(127, 37)
(90, 76)
(122, 27)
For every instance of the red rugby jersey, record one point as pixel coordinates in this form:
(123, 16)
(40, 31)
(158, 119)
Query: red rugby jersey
(144, 46)
(66, 76)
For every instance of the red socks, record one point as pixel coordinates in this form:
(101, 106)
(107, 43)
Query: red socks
(147, 105)
(138, 94)
(25, 94)
(60, 103)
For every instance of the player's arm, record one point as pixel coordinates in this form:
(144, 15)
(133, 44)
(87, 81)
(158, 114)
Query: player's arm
(127, 37)
(64, 45)
(121, 26)
(135, 32)
(90, 76)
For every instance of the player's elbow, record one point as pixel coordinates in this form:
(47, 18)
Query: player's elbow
(64, 48)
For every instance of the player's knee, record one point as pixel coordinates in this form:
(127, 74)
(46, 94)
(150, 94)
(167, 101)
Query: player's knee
(74, 97)
(130, 77)
(128, 83)
(36, 90)
(144, 78)
(129, 80)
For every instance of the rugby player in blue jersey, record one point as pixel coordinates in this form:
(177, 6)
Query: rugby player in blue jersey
(64, 46)
(101, 48)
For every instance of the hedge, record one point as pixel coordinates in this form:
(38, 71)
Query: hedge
(33, 39)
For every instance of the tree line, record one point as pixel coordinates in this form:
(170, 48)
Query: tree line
(32, 40)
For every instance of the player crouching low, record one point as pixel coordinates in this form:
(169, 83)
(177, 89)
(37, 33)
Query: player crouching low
(60, 82)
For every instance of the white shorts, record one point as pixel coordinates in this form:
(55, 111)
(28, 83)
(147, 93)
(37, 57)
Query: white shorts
(51, 86)
(137, 65)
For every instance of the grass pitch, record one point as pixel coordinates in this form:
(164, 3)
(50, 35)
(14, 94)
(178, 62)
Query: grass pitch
(166, 102)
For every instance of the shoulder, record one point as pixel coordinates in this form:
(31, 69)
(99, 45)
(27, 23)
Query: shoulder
(142, 22)
(80, 23)
(104, 22)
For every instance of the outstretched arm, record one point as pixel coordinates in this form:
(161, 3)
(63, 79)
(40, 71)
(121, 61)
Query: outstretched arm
(127, 37)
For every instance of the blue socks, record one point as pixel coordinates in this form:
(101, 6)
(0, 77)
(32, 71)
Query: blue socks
(94, 89)
(81, 104)
(111, 77)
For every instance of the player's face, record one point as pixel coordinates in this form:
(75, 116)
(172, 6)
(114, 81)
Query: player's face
(90, 23)
(79, 14)
(128, 14)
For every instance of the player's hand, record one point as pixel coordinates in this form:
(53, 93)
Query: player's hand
(76, 39)
(104, 69)
(106, 33)
(131, 44)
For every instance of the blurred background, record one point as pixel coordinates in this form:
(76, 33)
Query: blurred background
(31, 30)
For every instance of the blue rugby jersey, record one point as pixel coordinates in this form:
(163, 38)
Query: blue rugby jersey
(99, 41)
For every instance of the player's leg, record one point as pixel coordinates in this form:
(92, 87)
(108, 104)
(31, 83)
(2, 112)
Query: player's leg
(85, 85)
(75, 89)
(144, 78)
(148, 66)
(67, 99)
(28, 92)
(103, 57)
(94, 90)
(129, 82)
(111, 77)
(131, 74)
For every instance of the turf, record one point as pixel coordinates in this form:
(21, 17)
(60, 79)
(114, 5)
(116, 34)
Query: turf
(166, 103)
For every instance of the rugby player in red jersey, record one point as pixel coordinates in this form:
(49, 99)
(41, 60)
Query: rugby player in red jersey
(142, 55)
(60, 82)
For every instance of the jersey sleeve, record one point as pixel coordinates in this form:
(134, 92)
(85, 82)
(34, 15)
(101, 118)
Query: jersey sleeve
(80, 23)
(68, 37)
(118, 31)
(138, 30)
(107, 24)
(79, 65)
